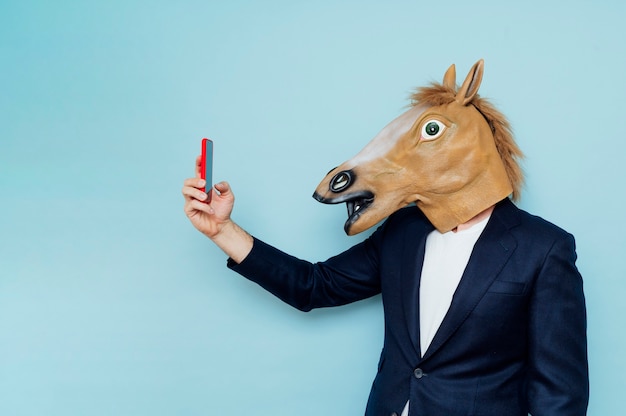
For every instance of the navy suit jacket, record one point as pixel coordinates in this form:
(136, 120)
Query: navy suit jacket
(512, 343)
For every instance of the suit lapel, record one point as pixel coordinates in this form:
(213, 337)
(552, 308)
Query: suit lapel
(490, 254)
(413, 251)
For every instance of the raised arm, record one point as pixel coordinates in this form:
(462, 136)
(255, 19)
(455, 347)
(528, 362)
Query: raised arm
(348, 277)
(213, 219)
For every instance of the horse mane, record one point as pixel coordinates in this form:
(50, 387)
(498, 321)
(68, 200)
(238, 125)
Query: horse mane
(438, 94)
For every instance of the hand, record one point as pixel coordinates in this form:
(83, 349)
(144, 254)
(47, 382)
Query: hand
(213, 219)
(209, 218)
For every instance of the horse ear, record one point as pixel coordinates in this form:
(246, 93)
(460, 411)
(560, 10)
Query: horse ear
(471, 84)
(449, 79)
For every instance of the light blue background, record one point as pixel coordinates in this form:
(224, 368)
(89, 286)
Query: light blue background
(112, 304)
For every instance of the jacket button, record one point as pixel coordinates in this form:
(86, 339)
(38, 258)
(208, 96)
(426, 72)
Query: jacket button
(394, 414)
(418, 373)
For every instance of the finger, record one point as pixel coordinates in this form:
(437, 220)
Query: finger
(195, 182)
(198, 164)
(190, 192)
(196, 205)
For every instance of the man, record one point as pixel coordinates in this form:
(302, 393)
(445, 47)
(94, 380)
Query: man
(484, 307)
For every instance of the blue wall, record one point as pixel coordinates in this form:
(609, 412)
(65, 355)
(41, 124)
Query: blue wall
(111, 303)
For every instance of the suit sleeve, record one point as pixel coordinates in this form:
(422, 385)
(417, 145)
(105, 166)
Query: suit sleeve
(558, 379)
(348, 277)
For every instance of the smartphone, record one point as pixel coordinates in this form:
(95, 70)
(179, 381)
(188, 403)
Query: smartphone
(206, 166)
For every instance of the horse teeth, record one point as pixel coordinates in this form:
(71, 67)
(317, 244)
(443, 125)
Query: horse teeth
(350, 206)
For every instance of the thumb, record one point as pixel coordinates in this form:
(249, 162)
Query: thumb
(223, 188)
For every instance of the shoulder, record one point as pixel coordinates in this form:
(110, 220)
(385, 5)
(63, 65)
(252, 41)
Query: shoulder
(529, 227)
(514, 217)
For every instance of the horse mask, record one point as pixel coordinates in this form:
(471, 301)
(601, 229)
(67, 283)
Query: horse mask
(451, 153)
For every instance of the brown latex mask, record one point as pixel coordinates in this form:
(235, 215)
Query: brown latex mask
(451, 153)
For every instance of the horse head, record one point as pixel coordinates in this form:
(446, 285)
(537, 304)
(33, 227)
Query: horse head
(451, 153)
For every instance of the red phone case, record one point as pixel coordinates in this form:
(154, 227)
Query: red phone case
(206, 166)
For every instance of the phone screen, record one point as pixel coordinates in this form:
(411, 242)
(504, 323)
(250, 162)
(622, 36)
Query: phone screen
(206, 166)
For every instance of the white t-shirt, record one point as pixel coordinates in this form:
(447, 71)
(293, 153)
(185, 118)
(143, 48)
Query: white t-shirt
(445, 260)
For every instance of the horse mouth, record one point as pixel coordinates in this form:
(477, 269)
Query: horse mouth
(356, 204)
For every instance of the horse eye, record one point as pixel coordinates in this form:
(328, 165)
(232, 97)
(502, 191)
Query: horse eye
(432, 129)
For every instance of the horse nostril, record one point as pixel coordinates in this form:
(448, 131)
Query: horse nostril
(341, 181)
